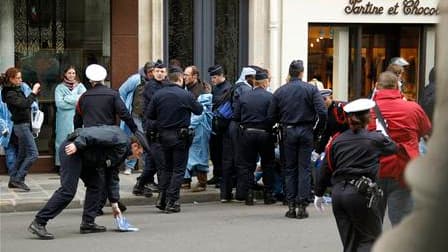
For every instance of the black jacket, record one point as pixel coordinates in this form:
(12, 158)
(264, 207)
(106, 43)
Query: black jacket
(172, 107)
(151, 87)
(101, 146)
(18, 104)
(99, 106)
(251, 109)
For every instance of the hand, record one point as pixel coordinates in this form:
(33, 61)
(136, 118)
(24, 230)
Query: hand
(318, 201)
(115, 210)
(36, 88)
(70, 149)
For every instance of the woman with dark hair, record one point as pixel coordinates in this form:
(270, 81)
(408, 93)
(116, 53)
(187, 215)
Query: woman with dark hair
(19, 105)
(66, 96)
(351, 165)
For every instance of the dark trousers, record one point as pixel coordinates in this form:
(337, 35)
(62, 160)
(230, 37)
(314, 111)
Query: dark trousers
(358, 225)
(216, 154)
(297, 145)
(252, 145)
(153, 162)
(70, 172)
(175, 157)
(111, 186)
(229, 171)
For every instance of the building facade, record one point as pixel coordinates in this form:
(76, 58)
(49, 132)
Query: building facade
(344, 43)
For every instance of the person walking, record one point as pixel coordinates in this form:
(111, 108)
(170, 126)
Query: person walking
(171, 107)
(66, 96)
(351, 164)
(296, 105)
(20, 107)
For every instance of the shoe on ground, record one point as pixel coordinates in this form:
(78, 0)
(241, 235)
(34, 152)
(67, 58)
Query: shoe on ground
(301, 212)
(213, 181)
(172, 207)
(40, 230)
(13, 184)
(199, 187)
(99, 212)
(225, 200)
(87, 228)
(153, 186)
(137, 190)
(185, 186)
(127, 171)
(21, 185)
(147, 192)
(161, 201)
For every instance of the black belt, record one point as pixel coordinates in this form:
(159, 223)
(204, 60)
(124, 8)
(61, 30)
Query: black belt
(294, 125)
(255, 130)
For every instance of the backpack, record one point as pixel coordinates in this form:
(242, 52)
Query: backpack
(137, 101)
(223, 113)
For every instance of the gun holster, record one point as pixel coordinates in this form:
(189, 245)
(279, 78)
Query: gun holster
(154, 136)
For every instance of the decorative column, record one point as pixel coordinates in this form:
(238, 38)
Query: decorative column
(6, 34)
(274, 41)
(157, 31)
(340, 65)
(426, 228)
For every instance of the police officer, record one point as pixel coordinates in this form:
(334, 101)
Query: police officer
(352, 163)
(296, 105)
(99, 106)
(337, 121)
(171, 107)
(251, 111)
(82, 153)
(220, 86)
(145, 183)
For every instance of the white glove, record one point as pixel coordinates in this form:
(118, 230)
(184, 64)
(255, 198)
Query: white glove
(318, 201)
(115, 210)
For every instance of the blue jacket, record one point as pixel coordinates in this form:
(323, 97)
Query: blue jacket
(65, 100)
(5, 116)
(198, 152)
(126, 92)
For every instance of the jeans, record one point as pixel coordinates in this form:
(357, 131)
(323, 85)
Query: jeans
(27, 152)
(397, 199)
(10, 156)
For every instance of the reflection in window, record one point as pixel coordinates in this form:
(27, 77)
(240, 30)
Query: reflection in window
(180, 31)
(320, 54)
(52, 34)
(227, 36)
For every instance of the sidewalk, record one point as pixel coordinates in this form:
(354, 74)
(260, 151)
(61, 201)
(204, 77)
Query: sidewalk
(43, 185)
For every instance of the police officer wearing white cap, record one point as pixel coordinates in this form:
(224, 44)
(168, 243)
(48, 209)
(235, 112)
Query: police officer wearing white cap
(98, 106)
(351, 166)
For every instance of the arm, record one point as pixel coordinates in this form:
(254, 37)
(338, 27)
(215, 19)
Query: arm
(237, 111)
(129, 86)
(321, 111)
(324, 177)
(19, 101)
(123, 113)
(77, 119)
(195, 106)
(273, 114)
(62, 100)
(386, 145)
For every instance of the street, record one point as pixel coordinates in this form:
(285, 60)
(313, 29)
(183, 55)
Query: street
(199, 227)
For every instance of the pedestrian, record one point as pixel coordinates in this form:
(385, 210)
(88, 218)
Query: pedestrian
(98, 106)
(145, 183)
(296, 105)
(220, 86)
(131, 92)
(171, 107)
(429, 95)
(255, 139)
(66, 96)
(405, 123)
(351, 164)
(82, 155)
(19, 105)
(199, 150)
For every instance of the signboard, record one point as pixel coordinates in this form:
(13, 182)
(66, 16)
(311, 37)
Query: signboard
(406, 7)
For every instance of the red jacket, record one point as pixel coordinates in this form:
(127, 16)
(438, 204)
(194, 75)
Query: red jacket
(406, 122)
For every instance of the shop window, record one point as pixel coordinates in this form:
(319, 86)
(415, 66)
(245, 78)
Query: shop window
(320, 54)
(50, 35)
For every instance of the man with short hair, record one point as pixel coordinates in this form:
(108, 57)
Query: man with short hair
(220, 86)
(296, 105)
(405, 122)
(171, 107)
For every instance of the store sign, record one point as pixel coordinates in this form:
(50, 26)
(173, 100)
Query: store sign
(406, 7)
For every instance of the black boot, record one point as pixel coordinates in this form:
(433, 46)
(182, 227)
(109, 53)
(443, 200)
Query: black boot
(250, 198)
(172, 207)
(40, 231)
(161, 200)
(301, 212)
(269, 198)
(291, 210)
(91, 227)
(138, 188)
(122, 207)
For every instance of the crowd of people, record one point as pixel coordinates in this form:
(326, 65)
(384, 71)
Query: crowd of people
(173, 123)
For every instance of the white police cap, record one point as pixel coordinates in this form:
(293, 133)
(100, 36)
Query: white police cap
(359, 105)
(95, 72)
(399, 61)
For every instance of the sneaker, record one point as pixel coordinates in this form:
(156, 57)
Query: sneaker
(40, 231)
(22, 185)
(13, 184)
(127, 171)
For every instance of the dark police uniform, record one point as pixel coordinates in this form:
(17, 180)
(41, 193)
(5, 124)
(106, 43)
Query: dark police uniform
(350, 156)
(172, 107)
(256, 138)
(216, 145)
(99, 106)
(102, 147)
(336, 123)
(296, 105)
